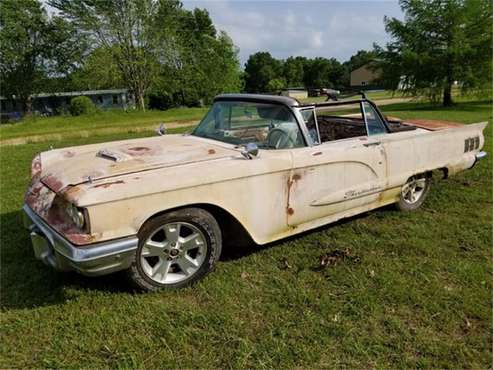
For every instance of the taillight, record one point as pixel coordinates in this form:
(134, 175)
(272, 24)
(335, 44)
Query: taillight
(471, 143)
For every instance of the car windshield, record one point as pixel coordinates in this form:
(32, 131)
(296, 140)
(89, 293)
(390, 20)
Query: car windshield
(270, 126)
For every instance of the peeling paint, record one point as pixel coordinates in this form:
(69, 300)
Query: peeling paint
(53, 183)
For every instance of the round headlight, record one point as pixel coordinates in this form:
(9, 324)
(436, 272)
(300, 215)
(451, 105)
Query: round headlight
(76, 215)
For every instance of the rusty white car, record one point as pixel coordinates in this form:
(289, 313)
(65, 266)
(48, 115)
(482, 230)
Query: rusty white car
(256, 167)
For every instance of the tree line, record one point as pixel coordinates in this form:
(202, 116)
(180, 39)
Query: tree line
(170, 56)
(265, 73)
(155, 48)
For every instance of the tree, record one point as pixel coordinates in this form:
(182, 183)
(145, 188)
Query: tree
(260, 69)
(276, 85)
(34, 48)
(439, 42)
(98, 71)
(293, 70)
(139, 34)
(22, 26)
(323, 72)
(359, 59)
(205, 62)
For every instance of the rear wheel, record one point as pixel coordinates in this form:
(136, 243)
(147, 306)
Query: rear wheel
(176, 249)
(414, 192)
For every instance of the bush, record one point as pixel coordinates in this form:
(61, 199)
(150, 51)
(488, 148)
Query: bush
(81, 105)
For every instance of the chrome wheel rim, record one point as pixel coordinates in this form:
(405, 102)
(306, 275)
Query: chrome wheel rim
(413, 190)
(174, 252)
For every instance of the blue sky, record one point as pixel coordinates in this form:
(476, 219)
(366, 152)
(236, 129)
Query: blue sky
(308, 28)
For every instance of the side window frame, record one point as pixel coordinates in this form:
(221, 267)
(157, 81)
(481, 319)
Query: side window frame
(348, 138)
(377, 114)
(314, 112)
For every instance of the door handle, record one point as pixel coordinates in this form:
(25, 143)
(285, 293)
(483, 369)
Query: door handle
(372, 144)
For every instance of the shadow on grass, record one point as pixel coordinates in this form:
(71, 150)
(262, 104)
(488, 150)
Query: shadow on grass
(231, 252)
(27, 283)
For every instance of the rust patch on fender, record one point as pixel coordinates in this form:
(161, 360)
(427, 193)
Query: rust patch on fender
(291, 181)
(211, 151)
(71, 193)
(108, 184)
(53, 183)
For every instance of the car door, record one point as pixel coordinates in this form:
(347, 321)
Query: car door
(336, 176)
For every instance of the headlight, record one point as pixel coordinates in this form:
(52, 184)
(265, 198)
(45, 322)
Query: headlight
(36, 166)
(76, 215)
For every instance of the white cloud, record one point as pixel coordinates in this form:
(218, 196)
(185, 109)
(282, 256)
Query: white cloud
(309, 28)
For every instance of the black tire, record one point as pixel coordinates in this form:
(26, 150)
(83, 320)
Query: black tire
(197, 217)
(404, 204)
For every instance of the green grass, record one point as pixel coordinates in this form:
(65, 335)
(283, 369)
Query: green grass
(419, 295)
(67, 125)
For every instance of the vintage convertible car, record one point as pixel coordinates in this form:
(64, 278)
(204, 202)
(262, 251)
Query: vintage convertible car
(257, 168)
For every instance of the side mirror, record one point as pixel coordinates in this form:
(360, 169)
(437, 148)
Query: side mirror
(250, 151)
(161, 130)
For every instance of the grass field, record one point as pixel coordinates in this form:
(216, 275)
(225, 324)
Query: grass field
(91, 124)
(416, 291)
(109, 122)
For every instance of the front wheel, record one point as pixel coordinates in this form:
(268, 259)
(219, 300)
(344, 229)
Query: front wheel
(414, 192)
(176, 249)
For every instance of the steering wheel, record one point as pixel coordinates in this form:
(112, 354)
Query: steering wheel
(277, 138)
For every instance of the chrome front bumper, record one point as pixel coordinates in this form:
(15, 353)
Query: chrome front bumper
(92, 260)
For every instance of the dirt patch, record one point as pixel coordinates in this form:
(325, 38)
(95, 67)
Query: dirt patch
(337, 256)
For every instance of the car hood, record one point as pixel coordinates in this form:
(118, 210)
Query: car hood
(76, 165)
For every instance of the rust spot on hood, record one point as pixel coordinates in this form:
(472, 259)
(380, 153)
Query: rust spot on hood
(68, 154)
(139, 149)
(211, 151)
(108, 184)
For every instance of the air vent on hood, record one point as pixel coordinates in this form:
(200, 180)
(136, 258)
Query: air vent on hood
(113, 155)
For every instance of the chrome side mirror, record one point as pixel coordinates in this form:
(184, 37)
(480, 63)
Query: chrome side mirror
(161, 130)
(250, 150)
